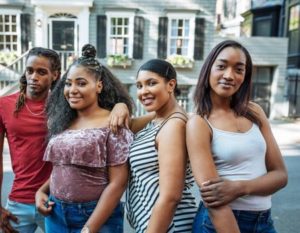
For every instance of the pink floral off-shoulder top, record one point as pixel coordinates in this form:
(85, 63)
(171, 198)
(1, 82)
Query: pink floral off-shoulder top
(81, 159)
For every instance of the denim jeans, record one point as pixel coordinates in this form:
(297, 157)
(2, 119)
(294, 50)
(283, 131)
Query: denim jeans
(28, 216)
(69, 217)
(248, 221)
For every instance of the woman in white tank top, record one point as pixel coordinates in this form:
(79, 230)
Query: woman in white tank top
(235, 159)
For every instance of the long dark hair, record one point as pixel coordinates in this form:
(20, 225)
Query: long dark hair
(240, 100)
(55, 65)
(60, 114)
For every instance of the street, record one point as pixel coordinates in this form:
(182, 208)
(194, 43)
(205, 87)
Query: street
(286, 202)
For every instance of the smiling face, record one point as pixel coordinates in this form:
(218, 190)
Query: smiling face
(227, 72)
(82, 89)
(154, 91)
(39, 76)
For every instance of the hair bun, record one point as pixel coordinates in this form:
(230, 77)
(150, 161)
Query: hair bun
(88, 51)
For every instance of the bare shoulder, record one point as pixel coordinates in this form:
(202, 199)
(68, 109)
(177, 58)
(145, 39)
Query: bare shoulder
(258, 111)
(195, 122)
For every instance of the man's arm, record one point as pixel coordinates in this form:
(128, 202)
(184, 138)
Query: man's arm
(2, 135)
(5, 216)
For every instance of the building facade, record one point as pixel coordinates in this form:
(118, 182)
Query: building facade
(127, 33)
(260, 25)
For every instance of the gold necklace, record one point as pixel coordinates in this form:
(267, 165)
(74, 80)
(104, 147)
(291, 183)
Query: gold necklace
(33, 113)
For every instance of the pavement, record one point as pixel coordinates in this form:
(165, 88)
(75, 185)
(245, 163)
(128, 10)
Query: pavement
(286, 202)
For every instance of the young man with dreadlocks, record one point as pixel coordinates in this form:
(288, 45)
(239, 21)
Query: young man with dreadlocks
(23, 123)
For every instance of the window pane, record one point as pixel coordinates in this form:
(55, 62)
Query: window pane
(1, 38)
(1, 47)
(178, 51)
(173, 23)
(15, 47)
(119, 22)
(180, 32)
(119, 31)
(14, 38)
(7, 38)
(264, 75)
(294, 45)
(6, 18)
(180, 23)
(172, 50)
(263, 27)
(1, 18)
(184, 51)
(14, 28)
(1, 28)
(13, 19)
(7, 28)
(294, 19)
(126, 21)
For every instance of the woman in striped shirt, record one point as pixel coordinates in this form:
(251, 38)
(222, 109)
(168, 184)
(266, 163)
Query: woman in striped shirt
(158, 196)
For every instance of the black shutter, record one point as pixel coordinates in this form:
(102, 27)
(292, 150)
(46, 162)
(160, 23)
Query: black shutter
(138, 40)
(25, 32)
(199, 39)
(101, 36)
(162, 37)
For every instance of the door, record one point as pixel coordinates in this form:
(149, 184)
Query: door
(63, 35)
(63, 39)
(261, 87)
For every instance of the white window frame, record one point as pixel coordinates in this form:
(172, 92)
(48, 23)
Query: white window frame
(119, 14)
(18, 26)
(192, 20)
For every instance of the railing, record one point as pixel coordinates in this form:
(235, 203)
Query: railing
(67, 58)
(10, 74)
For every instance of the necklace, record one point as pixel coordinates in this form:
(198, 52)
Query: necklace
(33, 113)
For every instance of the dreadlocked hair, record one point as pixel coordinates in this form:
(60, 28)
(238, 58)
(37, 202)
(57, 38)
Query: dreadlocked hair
(55, 64)
(61, 115)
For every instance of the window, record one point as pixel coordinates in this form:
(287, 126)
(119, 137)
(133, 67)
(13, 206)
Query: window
(181, 35)
(262, 26)
(294, 29)
(183, 98)
(8, 32)
(120, 34)
(179, 39)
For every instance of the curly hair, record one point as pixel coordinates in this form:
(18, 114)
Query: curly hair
(55, 64)
(240, 100)
(61, 115)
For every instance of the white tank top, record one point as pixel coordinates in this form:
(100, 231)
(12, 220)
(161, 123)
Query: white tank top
(241, 156)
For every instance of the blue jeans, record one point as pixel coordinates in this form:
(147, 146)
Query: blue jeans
(69, 217)
(248, 221)
(28, 216)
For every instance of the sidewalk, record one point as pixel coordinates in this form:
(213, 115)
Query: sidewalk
(287, 135)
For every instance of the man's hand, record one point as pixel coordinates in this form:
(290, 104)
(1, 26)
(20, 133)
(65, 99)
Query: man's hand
(43, 205)
(5, 219)
(119, 117)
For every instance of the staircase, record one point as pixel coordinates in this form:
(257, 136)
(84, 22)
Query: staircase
(10, 75)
